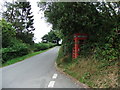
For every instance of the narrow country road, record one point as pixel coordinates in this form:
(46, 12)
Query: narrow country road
(36, 72)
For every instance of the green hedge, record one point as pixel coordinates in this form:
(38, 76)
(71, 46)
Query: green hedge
(43, 46)
(17, 50)
(20, 49)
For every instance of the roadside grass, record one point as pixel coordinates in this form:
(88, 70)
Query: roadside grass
(18, 59)
(94, 73)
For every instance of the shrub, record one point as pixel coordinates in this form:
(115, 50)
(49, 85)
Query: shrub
(16, 50)
(43, 46)
(8, 32)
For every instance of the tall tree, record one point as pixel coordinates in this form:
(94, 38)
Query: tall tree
(20, 15)
(51, 37)
(99, 20)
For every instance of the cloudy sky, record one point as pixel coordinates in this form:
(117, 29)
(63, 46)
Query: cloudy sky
(41, 26)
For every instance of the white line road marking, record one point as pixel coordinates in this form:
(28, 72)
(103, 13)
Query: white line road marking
(54, 76)
(51, 84)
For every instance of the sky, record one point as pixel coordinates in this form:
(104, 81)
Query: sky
(40, 24)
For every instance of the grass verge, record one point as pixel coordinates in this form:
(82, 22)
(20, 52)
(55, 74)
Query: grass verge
(18, 59)
(93, 73)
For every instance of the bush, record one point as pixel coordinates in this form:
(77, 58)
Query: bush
(43, 46)
(8, 32)
(18, 49)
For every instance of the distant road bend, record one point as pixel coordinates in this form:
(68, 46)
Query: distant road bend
(36, 72)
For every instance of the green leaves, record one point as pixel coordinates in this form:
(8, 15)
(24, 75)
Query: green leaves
(8, 32)
(43, 46)
(17, 49)
(20, 16)
(51, 37)
(99, 20)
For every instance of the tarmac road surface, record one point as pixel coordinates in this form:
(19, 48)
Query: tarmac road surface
(36, 72)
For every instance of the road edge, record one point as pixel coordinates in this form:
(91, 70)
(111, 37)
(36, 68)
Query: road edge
(69, 76)
(26, 57)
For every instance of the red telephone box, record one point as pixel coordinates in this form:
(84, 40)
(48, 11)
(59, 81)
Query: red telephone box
(77, 38)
